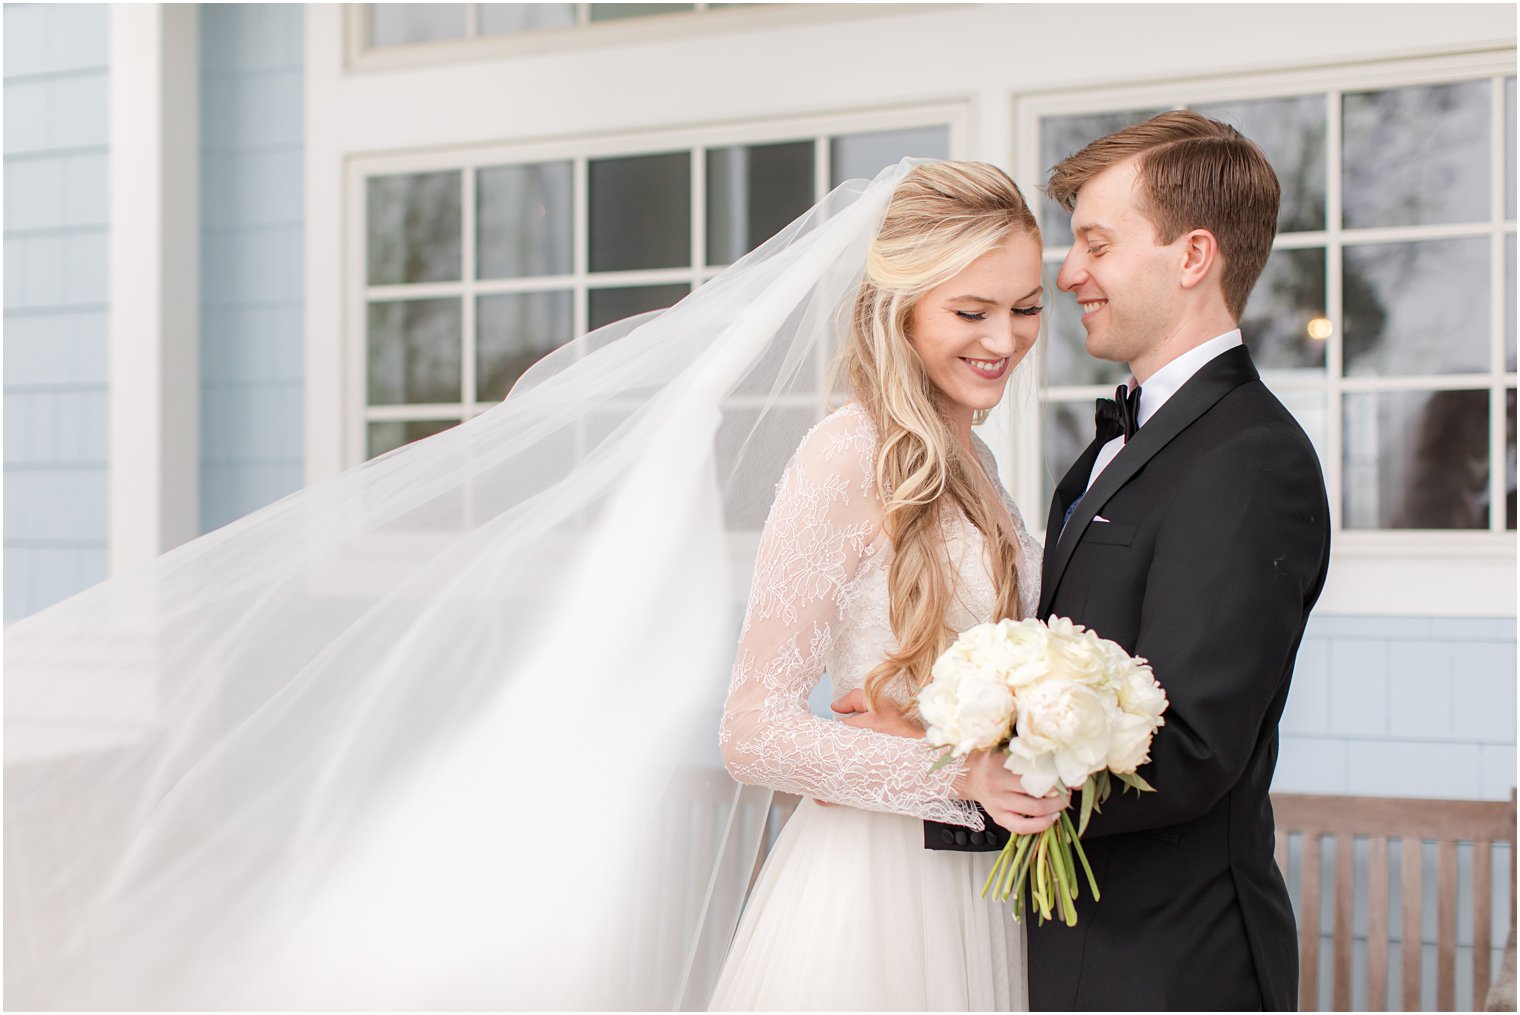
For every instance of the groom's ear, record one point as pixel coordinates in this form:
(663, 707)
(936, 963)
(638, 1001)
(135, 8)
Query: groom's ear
(1200, 258)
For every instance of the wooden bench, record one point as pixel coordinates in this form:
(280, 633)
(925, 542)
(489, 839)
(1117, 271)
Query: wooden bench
(1314, 825)
(1335, 823)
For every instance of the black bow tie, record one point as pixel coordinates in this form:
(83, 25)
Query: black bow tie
(1118, 416)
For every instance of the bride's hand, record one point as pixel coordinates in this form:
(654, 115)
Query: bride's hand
(1002, 796)
(886, 717)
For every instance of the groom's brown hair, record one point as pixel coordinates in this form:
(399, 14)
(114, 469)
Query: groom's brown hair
(1196, 173)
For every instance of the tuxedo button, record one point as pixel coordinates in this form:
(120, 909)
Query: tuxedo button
(960, 838)
(976, 838)
(947, 836)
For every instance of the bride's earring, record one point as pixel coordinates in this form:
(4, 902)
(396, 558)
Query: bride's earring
(979, 416)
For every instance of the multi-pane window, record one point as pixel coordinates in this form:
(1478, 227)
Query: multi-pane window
(408, 24)
(476, 270)
(1385, 319)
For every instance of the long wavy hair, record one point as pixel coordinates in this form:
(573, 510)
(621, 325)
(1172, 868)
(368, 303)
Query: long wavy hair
(943, 216)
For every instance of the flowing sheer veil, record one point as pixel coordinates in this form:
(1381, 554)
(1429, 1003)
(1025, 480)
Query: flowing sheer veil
(440, 731)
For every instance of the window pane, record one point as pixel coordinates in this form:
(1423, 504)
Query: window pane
(862, 156)
(1285, 322)
(524, 215)
(414, 352)
(1291, 132)
(1061, 136)
(413, 228)
(388, 435)
(747, 500)
(616, 12)
(1066, 359)
(752, 192)
(1068, 429)
(641, 212)
(1415, 156)
(1509, 459)
(1509, 148)
(1416, 460)
(501, 19)
(403, 24)
(514, 331)
(1417, 308)
(1312, 410)
(1509, 302)
(608, 305)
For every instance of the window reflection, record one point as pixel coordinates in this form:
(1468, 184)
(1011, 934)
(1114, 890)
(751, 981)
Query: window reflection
(862, 156)
(414, 352)
(514, 331)
(1416, 156)
(1417, 308)
(500, 19)
(753, 191)
(405, 24)
(1061, 136)
(641, 212)
(1415, 460)
(1280, 322)
(1067, 363)
(413, 224)
(523, 216)
(387, 435)
(608, 305)
(1068, 429)
(1291, 133)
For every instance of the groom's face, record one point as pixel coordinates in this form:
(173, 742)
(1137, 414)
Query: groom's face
(1124, 282)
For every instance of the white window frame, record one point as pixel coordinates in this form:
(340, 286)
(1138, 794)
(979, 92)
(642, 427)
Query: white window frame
(358, 414)
(1397, 573)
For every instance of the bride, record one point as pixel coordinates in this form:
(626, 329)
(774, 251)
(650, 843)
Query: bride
(438, 732)
(890, 532)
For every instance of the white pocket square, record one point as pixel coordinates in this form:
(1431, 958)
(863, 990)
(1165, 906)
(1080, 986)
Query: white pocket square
(1099, 518)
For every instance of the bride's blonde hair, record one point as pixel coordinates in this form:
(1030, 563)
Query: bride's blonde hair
(942, 217)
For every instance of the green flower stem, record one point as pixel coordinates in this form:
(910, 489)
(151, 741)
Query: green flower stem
(1076, 842)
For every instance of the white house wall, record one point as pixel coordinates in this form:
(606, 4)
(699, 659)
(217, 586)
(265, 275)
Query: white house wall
(57, 220)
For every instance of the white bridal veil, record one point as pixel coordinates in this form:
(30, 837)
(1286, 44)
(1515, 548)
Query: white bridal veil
(439, 732)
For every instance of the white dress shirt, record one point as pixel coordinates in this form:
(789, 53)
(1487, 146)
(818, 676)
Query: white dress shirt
(1163, 384)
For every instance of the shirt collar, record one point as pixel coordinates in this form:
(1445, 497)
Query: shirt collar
(1166, 382)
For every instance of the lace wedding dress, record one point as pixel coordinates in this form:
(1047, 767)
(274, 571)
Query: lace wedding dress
(851, 912)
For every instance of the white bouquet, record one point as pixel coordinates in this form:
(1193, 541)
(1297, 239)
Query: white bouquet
(1072, 709)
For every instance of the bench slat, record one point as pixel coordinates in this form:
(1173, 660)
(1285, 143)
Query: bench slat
(1411, 862)
(1377, 925)
(1345, 882)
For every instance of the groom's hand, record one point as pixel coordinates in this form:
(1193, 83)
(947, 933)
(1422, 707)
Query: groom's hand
(887, 717)
(1002, 796)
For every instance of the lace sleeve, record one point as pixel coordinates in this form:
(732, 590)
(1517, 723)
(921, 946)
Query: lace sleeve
(1031, 554)
(818, 534)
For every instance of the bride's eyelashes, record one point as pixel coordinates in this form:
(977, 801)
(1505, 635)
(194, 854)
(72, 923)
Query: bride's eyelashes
(975, 315)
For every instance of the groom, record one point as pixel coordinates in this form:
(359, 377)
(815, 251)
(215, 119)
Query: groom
(1193, 531)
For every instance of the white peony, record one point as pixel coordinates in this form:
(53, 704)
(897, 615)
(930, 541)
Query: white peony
(1063, 734)
(1140, 694)
(1129, 743)
(967, 707)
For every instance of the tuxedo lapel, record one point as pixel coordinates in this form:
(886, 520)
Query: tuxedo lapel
(1213, 381)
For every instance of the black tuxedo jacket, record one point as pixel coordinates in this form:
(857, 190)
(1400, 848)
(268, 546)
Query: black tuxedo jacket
(1213, 547)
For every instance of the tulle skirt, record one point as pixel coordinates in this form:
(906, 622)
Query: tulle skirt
(852, 913)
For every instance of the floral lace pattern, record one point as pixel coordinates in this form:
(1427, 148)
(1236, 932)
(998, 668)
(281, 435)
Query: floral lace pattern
(819, 604)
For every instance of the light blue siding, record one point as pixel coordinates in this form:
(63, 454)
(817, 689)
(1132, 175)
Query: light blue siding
(252, 263)
(57, 219)
(1386, 706)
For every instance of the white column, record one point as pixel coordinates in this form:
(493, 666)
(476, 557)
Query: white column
(155, 280)
(329, 389)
